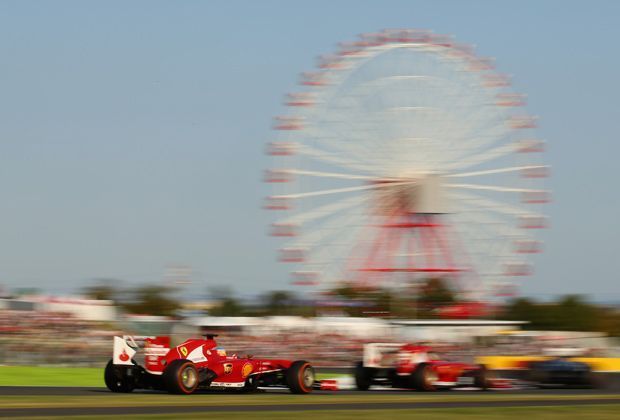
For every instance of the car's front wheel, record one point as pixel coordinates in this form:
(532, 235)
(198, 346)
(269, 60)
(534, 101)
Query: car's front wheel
(482, 378)
(363, 376)
(300, 377)
(424, 377)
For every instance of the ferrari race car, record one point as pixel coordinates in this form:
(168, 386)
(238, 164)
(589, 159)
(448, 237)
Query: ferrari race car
(416, 367)
(150, 363)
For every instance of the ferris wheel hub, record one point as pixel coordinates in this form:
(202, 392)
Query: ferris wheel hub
(422, 193)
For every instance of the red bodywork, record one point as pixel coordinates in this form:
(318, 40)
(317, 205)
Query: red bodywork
(197, 363)
(228, 369)
(416, 367)
(410, 356)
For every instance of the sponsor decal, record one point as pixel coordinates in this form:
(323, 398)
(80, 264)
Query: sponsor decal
(228, 368)
(155, 350)
(124, 356)
(246, 369)
(227, 384)
(122, 352)
(183, 351)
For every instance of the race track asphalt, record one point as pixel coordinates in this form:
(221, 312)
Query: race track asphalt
(70, 390)
(580, 397)
(110, 411)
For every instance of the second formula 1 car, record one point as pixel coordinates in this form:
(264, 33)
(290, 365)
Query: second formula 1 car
(415, 367)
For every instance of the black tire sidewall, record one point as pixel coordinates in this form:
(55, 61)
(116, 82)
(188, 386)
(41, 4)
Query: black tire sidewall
(363, 377)
(294, 377)
(172, 380)
(418, 378)
(481, 378)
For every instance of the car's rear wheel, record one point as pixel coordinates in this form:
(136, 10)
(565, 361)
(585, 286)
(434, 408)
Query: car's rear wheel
(300, 377)
(424, 377)
(116, 379)
(363, 376)
(181, 377)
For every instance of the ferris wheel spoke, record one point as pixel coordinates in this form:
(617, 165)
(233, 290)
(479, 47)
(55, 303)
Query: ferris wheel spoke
(319, 230)
(328, 174)
(488, 232)
(325, 240)
(346, 145)
(485, 235)
(324, 211)
(350, 143)
(494, 223)
(338, 140)
(335, 252)
(412, 109)
(496, 188)
(498, 171)
(340, 130)
(333, 159)
(493, 205)
(339, 190)
(487, 156)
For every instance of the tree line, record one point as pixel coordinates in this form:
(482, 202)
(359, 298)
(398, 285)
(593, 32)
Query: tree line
(420, 301)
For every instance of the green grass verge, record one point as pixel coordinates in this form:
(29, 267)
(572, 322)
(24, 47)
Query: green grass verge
(50, 376)
(605, 412)
(64, 376)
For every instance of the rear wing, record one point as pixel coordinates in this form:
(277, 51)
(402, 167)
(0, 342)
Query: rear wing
(380, 355)
(153, 350)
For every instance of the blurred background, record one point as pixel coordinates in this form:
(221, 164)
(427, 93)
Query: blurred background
(132, 159)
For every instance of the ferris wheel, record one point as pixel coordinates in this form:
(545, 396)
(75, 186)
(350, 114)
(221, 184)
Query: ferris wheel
(406, 156)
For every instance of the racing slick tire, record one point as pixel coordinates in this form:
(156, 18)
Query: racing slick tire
(116, 380)
(181, 377)
(363, 376)
(300, 377)
(482, 378)
(423, 377)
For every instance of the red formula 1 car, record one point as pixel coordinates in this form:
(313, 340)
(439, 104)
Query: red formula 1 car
(415, 367)
(150, 363)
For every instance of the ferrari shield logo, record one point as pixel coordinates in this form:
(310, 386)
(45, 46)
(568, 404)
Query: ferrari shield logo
(228, 368)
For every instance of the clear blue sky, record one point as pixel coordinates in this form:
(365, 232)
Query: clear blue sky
(131, 133)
